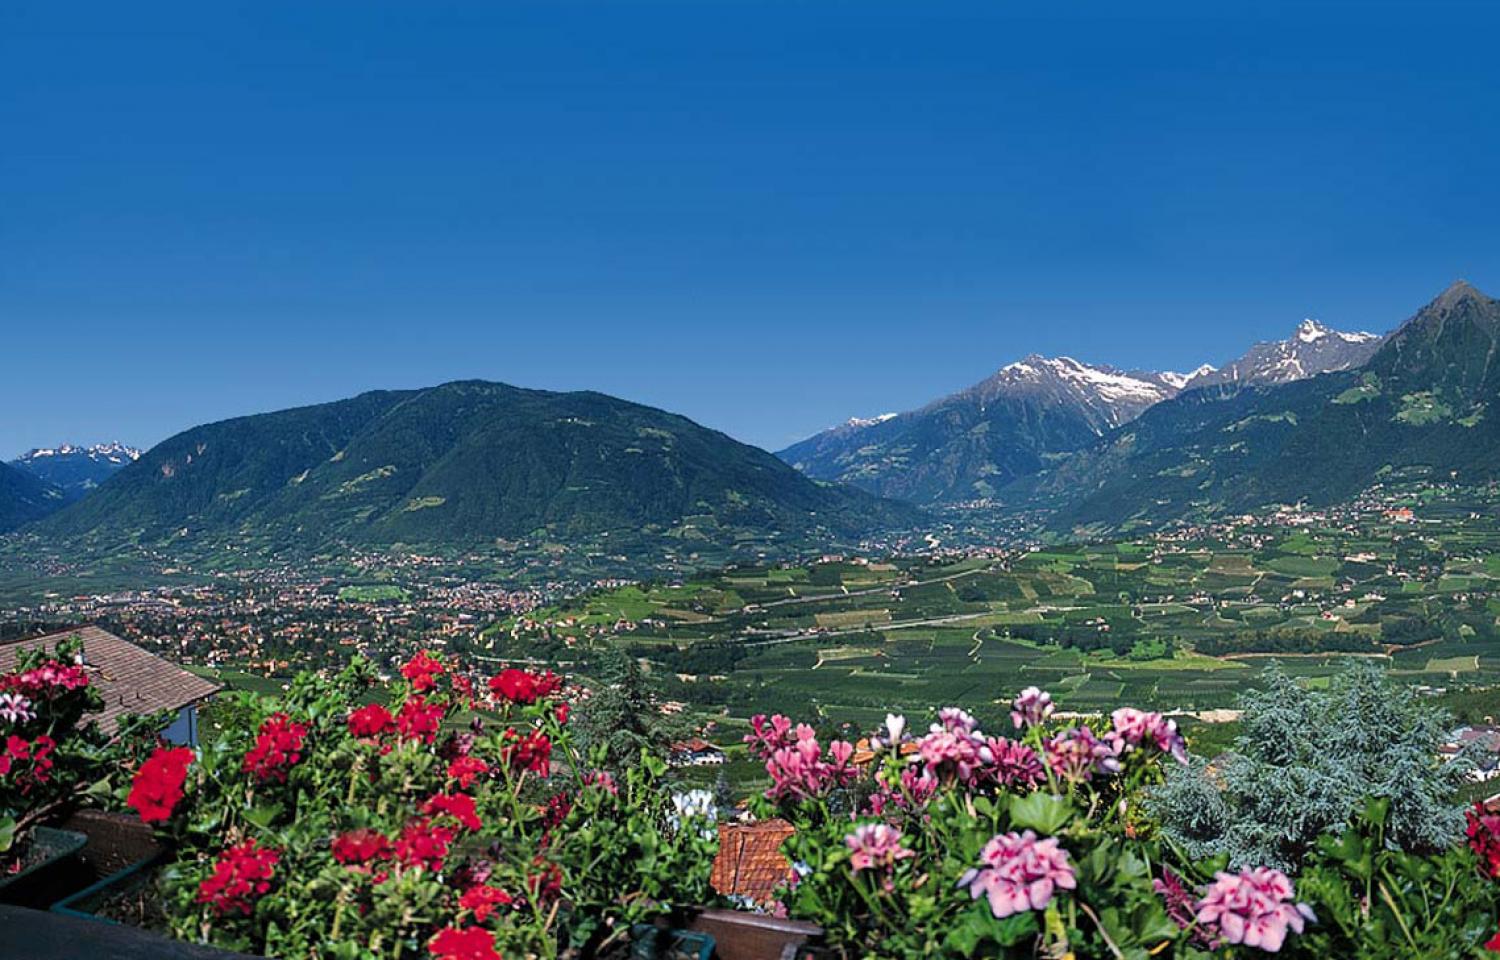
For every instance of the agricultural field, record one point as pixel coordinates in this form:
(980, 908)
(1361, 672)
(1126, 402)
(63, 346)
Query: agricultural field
(1181, 621)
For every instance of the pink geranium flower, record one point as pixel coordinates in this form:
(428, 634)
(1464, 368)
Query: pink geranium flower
(1076, 755)
(875, 846)
(1253, 907)
(1031, 708)
(1011, 763)
(1019, 872)
(1133, 728)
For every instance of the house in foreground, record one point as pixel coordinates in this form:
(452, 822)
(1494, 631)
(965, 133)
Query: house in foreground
(131, 680)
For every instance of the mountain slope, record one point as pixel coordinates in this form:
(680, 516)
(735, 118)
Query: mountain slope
(76, 470)
(1427, 403)
(24, 498)
(968, 445)
(1312, 349)
(462, 463)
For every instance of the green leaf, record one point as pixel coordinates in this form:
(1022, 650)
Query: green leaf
(264, 815)
(1045, 813)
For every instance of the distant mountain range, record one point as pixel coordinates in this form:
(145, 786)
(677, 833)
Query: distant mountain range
(1031, 413)
(465, 463)
(1316, 417)
(1426, 404)
(75, 470)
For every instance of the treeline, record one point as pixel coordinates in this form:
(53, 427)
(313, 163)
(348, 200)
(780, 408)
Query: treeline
(1285, 641)
(704, 657)
(1085, 637)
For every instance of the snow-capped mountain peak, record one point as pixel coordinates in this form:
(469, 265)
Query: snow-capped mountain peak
(1108, 396)
(1313, 348)
(76, 469)
(1180, 380)
(113, 452)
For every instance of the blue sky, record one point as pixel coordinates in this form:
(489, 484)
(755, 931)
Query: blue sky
(766, 216)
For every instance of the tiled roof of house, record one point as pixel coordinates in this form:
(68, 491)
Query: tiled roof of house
(694, 745)
(131, 680)
(750, 863)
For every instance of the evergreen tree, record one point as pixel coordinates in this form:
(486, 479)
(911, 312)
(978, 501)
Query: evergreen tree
(1304, 764)
(624, 716)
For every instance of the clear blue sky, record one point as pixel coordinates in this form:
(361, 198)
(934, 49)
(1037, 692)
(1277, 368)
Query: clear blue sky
(766, 216)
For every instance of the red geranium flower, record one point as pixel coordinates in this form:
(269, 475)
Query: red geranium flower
(371, 720)
(278, 746)
(1484, 838)
(49, 680)
(158, 783)
(546, 883)
(422, 670)
(484, 900)
(459, 806)
(559, 805)
(358, 848)
(532, 752)
(423, 845)
(469, 943)
(466, 769)
(521, 687)
(562, 713)
(241, 874)
(419, 720)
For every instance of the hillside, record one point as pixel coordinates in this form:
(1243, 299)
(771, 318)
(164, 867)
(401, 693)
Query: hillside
(24, 498)
(968, 445)
(1424, 405)
(463, 463)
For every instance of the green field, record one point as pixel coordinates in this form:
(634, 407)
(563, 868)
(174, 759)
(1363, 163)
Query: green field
(1185, 624)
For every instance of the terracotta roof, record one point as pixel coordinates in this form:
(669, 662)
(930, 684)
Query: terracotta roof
(694, 745)
(130, 679)
(750, 863)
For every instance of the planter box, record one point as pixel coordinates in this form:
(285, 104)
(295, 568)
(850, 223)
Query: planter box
(755, 936)
(125, 897)
(116, 841)
(53, 872)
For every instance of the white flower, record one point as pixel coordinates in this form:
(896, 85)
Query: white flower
(694, 804)
(895, 727)
(16, 708)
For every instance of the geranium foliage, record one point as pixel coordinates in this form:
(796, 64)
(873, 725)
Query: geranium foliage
(954, 843)
(333, 823)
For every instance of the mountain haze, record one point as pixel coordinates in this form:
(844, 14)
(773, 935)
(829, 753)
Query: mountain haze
(463, 463)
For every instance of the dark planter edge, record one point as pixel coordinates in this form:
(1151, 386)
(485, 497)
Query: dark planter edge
(68, 905)
(68, 844)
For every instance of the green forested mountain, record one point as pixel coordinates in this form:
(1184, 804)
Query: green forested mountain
(463, 463)
(1427, 403)
(24, 498)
